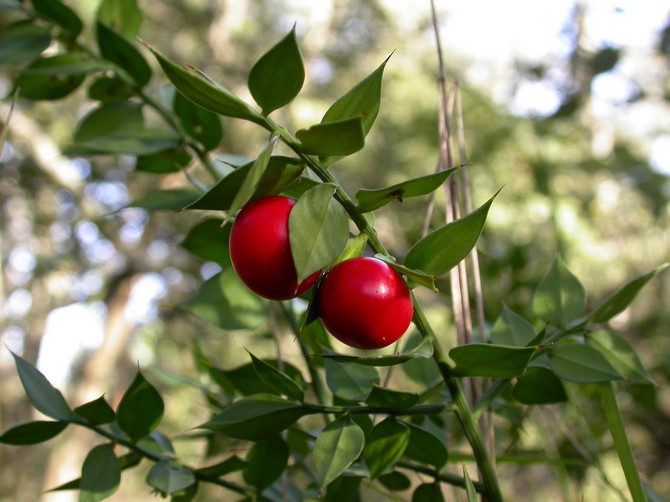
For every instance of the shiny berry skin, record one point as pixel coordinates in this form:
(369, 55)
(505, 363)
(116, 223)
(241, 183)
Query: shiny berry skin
(260, 250)
(364, 303)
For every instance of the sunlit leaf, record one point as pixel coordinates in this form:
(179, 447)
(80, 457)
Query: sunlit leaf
(123, 16)
(385, 445)
(342, 137)
(621, 355)
(336, 448)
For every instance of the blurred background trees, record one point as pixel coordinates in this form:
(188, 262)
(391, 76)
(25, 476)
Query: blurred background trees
(566, 105)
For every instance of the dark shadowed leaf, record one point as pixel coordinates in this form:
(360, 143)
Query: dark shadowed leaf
(620, 300)
(209, 241)
(621, 355)
(109, 118)
(581, 364)
(384, 445)
(116, 48)
(278, 75)
(539, 386)
(202, 125)
(512, 329)
(231, 464)
(243, 380)
(318, 230)
(428, 492)
(125, 462)
(352, 382)
(165, 200)
(140, 410)
(279, 173)
(171, 160)
(444, 248)
(337, 447)
(391, 399)
(53, 77)
(205, 92)
(96, 412)
(369, 200)
(342, 137)
(256, 417)
(32, 432)
(395, 481)
(495, 361)
(22, 42)
(276, 379)
(43, 396)
(123, 16)
(109, 90)
(61, 14)
(158, 444)
(560, 297)
(226, 302)
(344, 488)
(426, 447)
(100, 474)
(168, 477)
(267, 460)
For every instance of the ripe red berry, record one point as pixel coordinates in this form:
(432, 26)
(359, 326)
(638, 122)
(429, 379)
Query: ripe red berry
(260, 250)
(364, 303)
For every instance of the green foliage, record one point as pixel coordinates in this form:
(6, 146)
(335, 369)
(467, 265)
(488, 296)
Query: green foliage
(140, 409)
(496, 361)
(100, 474)
(560, 297)
(337, 447)
(384, 445)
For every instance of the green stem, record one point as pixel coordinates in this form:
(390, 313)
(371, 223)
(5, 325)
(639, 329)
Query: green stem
(445, 477)
(621, 443)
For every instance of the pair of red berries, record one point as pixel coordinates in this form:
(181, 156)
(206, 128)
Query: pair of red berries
(362, 302)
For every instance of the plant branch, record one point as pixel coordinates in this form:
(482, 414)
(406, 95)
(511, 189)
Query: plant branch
(445, 477)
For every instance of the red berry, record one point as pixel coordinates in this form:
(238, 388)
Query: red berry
(364, 303)
(260, 250)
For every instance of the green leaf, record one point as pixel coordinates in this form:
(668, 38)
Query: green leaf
(116, 48)
(426, 447)
(109, 118)
(539, 386)
(441, 250)
(621, 355)
(244, 379)
(100, 474)
(384, 445)
(168, 477)
(276, 379)
(369, 200)
(344, 488)
(96, 412)
(123, 16)
(231, 464)
(318, 230)
(158, 444)
(622, 298)
(53, 77)
(361, 101)
(355, 248)
(226, 302)
(414, 276)
(22, 42)
(342, 137)
(209, 241)
(422, 351)
(186, 495)
(336, 448)
(59, 13)
(352, 382)
(109, 90)
(43, 396)
(140, 410)
(469, 487)
(395, 481)
(171, 160)
(200, 124)
(278, 75)
(495, 361)
(267, 460)
(560, 298)
(32, 432)
(392, 399)
(428, 492)
(512, 329)
(204, 92)
(256, 417)
(125, 461)
(581, 364)
(165, 200)
(279, 173)
(253, 178)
